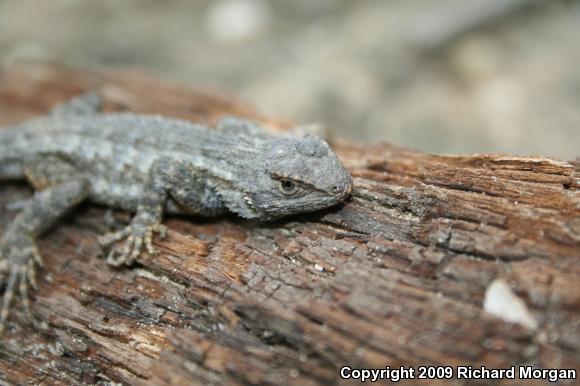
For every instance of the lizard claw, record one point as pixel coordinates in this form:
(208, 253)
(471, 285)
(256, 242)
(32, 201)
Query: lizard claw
(137, 235)
(111, 238)
(157, 228)
(18, 272)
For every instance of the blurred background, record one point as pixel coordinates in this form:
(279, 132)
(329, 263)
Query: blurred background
(446, 76)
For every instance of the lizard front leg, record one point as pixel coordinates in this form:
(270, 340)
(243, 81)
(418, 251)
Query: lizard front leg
(147, 220)
(18, 252)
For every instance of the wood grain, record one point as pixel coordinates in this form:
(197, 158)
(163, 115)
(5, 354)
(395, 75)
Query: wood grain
(395, 277)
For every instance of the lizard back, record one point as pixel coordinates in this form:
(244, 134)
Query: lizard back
(116, 150)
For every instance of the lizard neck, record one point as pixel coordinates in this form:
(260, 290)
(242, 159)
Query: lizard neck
(234, 165)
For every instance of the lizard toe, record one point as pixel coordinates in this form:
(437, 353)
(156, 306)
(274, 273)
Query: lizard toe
(118, 259)
(161, 230)
(138, 244)
(129, 254)
(23, 292)
(138, 235)
(32, 275)
(149, 242)
(109, 239)
(19, 278)
(112, 259)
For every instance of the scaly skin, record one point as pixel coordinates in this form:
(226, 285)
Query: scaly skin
(151, 165)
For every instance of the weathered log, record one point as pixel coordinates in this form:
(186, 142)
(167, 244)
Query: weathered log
(395, 277)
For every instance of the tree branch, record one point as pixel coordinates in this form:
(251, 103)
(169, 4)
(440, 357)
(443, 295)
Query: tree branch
(395, 277)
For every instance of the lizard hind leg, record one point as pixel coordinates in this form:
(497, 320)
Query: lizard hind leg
(19, 256)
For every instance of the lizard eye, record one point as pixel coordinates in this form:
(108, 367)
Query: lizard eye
(288, 187)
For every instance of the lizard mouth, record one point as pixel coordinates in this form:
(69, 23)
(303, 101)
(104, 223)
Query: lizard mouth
(348, 190)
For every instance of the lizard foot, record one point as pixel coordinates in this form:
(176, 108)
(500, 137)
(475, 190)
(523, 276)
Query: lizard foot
(18, 259)
(137, 234)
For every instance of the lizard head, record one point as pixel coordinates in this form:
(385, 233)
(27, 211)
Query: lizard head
(297, 176)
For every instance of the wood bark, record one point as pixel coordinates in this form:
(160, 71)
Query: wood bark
(394, 277)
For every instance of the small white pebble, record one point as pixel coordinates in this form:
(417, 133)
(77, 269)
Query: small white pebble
(318, 268)
(500, 301)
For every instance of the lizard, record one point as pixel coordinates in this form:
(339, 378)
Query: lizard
(150, 165)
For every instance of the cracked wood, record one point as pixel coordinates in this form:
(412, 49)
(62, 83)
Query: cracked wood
(396, 276)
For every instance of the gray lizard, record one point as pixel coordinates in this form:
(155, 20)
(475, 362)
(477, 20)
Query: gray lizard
(150, 165)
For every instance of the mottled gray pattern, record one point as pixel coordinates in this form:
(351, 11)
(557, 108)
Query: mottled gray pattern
(151, 165)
